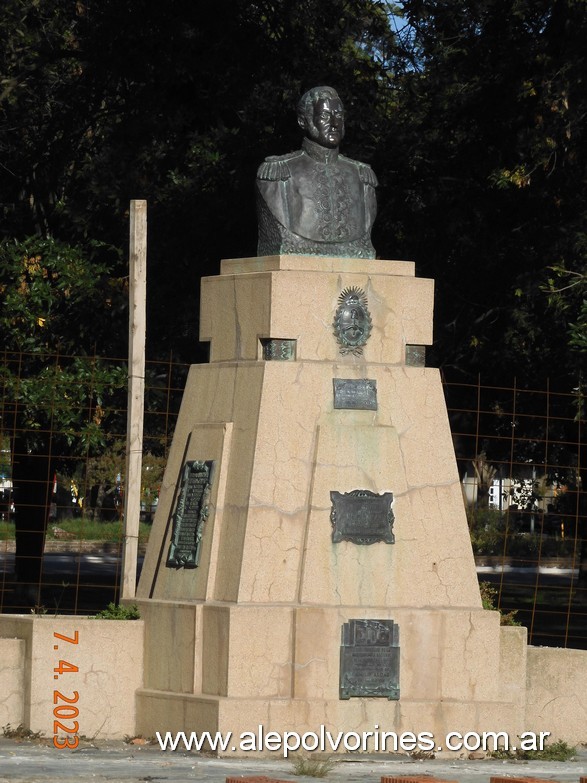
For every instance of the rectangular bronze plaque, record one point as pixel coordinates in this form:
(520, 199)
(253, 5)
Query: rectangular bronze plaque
(362, 517)
(416, 355)
(369, 659)
(359, 394)
(278, 350)
(190, 514)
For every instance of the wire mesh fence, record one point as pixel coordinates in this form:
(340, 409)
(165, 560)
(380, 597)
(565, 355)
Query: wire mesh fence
(62, 465)
(521, 456)
(520, 453)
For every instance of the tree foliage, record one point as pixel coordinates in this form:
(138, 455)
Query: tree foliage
(486, 159)
(57, 305)
(177, 103)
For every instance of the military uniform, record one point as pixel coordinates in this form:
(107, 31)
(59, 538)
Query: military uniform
(315, 202)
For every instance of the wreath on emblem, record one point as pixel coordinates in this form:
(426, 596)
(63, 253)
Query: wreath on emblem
(352, 321)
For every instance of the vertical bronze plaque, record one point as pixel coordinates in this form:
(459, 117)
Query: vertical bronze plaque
(362, 517)
(190, 514)
(369, 659)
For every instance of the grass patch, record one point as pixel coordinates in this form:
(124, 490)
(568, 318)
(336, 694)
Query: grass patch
(312, 768)
(6, 531)
(555, 751)
(84, 529)
(81, 529)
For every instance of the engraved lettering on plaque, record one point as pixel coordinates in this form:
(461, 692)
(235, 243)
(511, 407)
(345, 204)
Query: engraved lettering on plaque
(369, 659)
(362, 517)
(190, 514)
(355, 394)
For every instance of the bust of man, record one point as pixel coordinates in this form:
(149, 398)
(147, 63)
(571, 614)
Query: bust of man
(315, 201)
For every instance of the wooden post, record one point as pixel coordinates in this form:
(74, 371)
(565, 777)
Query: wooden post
(136, 394)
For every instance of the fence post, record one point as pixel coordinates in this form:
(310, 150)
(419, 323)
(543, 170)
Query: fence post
(136, 394)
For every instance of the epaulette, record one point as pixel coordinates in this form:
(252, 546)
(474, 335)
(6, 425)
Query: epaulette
(367, 175)
(276, 167)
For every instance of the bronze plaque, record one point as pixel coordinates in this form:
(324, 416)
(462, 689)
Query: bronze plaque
(369, 659)
(190, 514)
(356, 394)
(362, 517)
(416, 355)
(278, 350)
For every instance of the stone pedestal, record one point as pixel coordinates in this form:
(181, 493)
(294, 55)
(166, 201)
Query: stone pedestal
(252, 635)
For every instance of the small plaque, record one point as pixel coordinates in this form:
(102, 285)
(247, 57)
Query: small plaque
(362, 517)
(369, 659)
(416, 355)
(278, 350)
(191, 514)
(357, 394)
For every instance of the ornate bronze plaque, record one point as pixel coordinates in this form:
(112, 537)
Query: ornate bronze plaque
(369, 659)
(279, 350)
(358, 394)
(362, 517)
(190, 514)
(352, 321)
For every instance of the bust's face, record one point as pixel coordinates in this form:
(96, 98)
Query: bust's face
(326, 124)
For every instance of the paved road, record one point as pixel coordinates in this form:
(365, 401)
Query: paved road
(117, 762)
(85, 583)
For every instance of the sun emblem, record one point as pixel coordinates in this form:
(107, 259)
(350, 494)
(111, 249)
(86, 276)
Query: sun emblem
(352, 321)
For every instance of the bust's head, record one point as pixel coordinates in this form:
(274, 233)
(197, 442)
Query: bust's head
(321, 116)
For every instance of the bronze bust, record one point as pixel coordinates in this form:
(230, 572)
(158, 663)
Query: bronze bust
(315, 201)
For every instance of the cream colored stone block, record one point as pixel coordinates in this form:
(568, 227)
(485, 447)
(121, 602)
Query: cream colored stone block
(216, 397)
(216, 650)
(420, 637)
(172, 642)
(433, 548)
(109, 660)
(247, 651)
(348, 458)
(512, 665)
(12, 681)
(165, 711)
(470, 656)
(445, 717)
(276, 539)
(231, 266)
(299, 303)
(557, 693)
(234, 313)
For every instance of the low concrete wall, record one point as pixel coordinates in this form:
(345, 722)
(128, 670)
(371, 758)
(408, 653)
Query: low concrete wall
(76, 670)
(556, 693)
(12, 685)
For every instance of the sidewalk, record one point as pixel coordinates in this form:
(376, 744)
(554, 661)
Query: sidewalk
(116, 762)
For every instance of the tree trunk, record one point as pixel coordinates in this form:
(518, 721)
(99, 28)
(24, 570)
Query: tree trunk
(30, 478)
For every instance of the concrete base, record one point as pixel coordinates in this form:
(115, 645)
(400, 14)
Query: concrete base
(108, 657)
(252, 636)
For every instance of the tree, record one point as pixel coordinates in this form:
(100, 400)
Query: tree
(486, 157)
(57, 396)
(177, 103)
